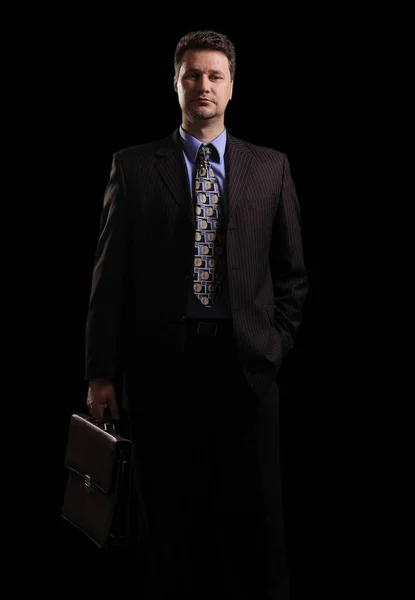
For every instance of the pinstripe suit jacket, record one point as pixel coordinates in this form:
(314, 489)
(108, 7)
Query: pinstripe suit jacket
(144, 258)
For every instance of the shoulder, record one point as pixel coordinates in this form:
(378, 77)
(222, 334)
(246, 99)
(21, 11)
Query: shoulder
(147, 149)
(147, 152)
(256, 151)
(263, 161)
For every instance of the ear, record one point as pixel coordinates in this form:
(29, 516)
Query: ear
(230, 97)
(175, 83)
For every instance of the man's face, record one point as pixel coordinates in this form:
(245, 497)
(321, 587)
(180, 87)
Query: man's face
(204, 85)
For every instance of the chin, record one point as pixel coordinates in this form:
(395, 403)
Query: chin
(203, 115)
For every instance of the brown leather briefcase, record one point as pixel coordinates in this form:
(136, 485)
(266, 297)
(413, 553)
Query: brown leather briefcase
(98, 488)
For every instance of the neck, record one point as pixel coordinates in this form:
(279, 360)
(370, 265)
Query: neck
(204, 131)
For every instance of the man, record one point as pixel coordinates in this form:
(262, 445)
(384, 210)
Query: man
(197, 294)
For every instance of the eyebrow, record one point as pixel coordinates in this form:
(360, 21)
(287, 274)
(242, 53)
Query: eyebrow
(211, 72)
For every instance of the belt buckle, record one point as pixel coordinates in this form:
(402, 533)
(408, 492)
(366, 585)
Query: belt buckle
(208, 329)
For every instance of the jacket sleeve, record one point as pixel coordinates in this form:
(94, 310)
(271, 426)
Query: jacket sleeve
(289, 275)
(110, 265)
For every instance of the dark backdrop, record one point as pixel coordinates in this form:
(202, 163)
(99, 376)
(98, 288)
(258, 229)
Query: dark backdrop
(108, 90)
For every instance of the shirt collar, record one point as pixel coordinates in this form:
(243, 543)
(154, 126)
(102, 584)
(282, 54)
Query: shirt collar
(191, 146)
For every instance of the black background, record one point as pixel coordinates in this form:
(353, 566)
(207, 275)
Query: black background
(109, 80)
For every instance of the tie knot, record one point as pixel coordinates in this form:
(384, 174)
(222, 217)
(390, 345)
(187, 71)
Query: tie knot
(204, 152)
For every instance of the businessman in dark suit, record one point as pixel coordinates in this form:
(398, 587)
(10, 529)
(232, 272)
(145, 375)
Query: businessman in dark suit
(197, 294)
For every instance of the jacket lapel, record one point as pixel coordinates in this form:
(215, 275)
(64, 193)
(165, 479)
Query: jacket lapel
(238, 164)
(171, 167)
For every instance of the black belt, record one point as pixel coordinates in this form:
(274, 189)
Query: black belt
(210, 327)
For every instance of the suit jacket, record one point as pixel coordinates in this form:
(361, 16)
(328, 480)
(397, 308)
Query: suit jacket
(144, 259)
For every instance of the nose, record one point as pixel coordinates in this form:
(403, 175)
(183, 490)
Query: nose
(204, 83)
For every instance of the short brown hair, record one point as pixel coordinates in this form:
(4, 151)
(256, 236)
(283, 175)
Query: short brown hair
(208, 40)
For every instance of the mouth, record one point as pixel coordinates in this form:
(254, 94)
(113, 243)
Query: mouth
(203, 100)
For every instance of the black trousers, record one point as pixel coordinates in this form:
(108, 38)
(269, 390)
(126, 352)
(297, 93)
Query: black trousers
(207, 463)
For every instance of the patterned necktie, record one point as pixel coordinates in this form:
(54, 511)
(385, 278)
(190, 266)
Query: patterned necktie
(209, 240)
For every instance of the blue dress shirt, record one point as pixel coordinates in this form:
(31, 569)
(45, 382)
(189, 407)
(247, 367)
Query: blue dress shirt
(191, 146)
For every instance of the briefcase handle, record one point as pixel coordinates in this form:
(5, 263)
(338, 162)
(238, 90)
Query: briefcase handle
(108, 424)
